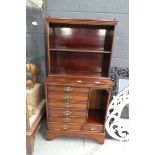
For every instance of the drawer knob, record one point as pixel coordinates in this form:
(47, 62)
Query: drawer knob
(67, 97)
(67, 104)
(65, 127)
(67, 112)
(67, 119)
(68, 89)
(92, 128)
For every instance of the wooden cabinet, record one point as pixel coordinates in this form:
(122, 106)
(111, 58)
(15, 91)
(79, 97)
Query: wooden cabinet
(78, 88)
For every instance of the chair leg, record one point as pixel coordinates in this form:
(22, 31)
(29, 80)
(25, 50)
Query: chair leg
(30, 144)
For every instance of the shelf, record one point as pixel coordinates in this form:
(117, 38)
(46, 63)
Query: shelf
(74, 73)
(78, 50)
(95, 116)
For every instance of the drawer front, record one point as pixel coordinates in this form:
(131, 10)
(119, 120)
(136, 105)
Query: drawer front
(92, 128)
(66, 119)
(67, 89)
(66, 112)
(69, 105)
(65, 126)
(67, 97)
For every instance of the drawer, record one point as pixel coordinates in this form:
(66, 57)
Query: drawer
(65, 97)
(67, 89)
(66, 112)
(70, 105)
(65, 126)
(70, 119)
(92, 128)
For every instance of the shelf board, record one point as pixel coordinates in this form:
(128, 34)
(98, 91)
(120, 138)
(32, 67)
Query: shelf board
(74, 73)
(78, 50)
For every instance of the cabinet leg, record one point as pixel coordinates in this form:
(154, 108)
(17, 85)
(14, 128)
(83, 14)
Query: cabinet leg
(99, 139)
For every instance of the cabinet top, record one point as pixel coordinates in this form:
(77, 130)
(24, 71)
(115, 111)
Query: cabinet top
(81, 21)
(79, 81)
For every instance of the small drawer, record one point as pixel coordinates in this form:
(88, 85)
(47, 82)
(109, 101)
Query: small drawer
(67, 89)
(93, 128)
(61, 96)
(69, 105)
(66, 112)
(65, 126)
(66, 119)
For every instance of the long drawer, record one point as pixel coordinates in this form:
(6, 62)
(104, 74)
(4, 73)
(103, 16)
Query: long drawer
(67, 119)
(65, 126)
(67, 104)
(66, 112)
(67, 89)
(61, 96)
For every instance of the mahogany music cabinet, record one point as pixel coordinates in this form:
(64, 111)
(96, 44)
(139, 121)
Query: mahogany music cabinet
(77, 87)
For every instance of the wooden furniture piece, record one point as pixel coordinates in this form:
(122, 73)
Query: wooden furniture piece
(33, 124)
(77, 86)
(35, 107)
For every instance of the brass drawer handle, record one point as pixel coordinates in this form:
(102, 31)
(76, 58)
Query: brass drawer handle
(67, 112)
(67, 97)
(92, 128)
(67, 119)
(68, 89)
(65, 127)
(67, 104)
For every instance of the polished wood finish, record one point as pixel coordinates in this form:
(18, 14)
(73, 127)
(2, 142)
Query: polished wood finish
(81, 120)
(65, 126)
(81, 21)
(67, 89)
(61, 96)
(88, 42)
(92, 128)
(66, 112)
(79, 81)
(68, 105)
(77, 86)
(98, 136)
(70, 119)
